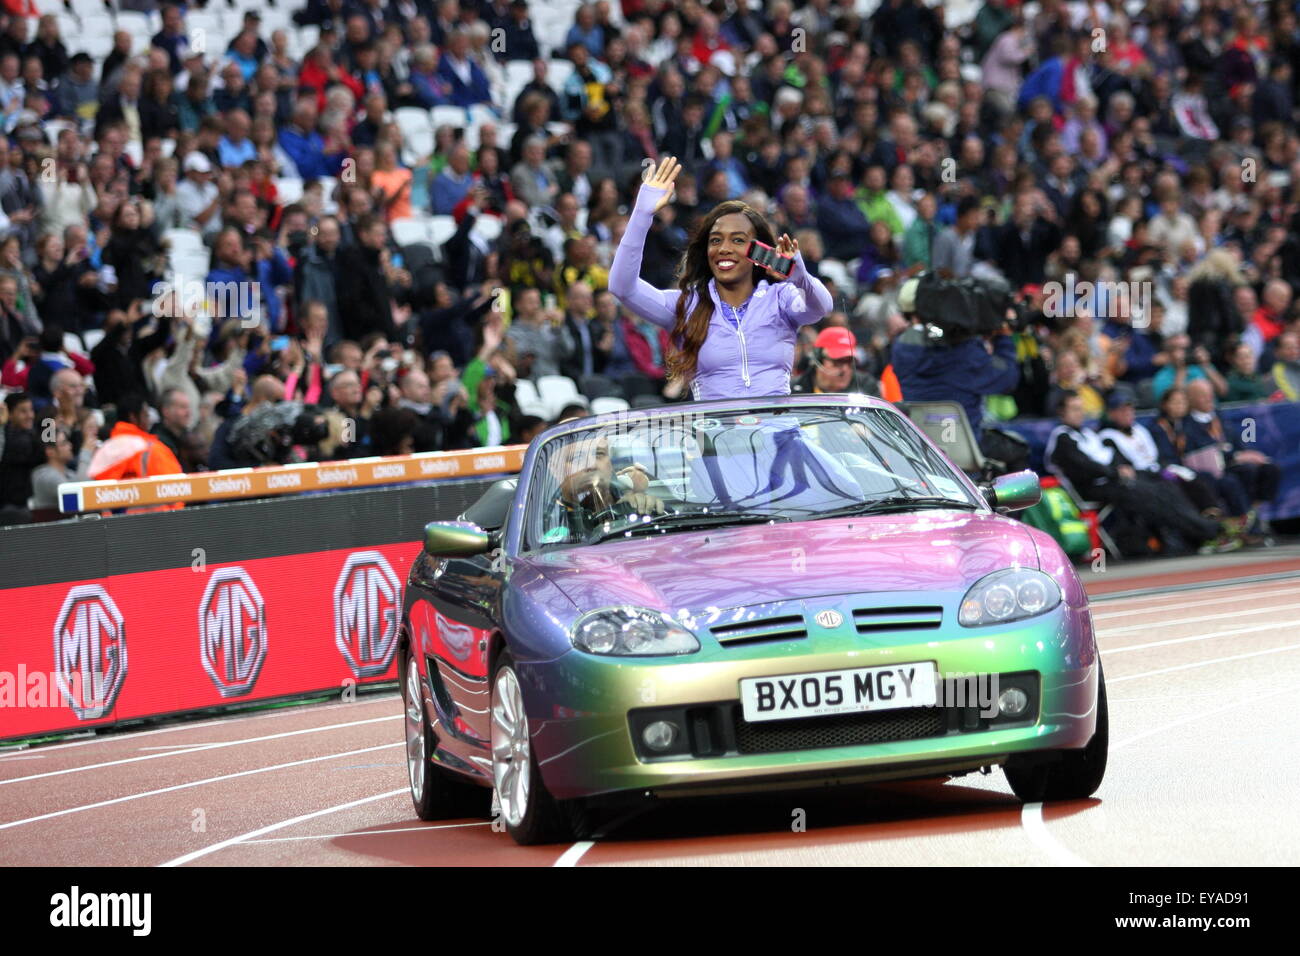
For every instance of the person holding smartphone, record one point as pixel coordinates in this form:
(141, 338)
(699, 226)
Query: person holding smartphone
(732, 322)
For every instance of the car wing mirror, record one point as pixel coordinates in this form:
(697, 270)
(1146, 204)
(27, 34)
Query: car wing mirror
(1014, 492)
(449, 539)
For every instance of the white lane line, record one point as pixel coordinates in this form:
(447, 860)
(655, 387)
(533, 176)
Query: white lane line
(1198, 715)
(1196, 637)
(190, 857)
(1103, 615)
(201, 747)
(336, 836)
(573, 854)
(196, 725)
(1177, 622)
(213, 743)
(195, 783)
(1217, 660)
(1031, 819)
(23, 757)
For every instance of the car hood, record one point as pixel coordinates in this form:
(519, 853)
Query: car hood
(751, 564)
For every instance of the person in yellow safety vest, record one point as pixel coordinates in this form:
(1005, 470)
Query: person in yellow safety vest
(132, 452)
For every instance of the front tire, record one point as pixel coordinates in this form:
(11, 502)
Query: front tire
(1077, 774)
(530, 813)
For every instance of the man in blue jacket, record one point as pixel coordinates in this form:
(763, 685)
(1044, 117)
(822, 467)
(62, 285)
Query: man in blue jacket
(955, 368)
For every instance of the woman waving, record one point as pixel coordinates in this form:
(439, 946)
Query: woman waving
(733, 324)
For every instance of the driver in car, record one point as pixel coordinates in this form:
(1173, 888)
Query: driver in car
(590, 491)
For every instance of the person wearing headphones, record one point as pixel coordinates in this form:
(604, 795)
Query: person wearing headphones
(832, 366)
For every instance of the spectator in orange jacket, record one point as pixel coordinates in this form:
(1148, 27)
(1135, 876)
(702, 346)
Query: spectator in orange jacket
(131, 451)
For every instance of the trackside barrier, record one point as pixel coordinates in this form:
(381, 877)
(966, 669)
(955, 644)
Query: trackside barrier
(280, 480)
(105, 621)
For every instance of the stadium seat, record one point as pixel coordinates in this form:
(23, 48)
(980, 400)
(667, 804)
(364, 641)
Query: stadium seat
(441, 228)
(417, 132)
(92, 337)
(557, 391)
(453, 116)
(407, 231)
(139, 25)
(838, 273)
(599, 386)
(488, 227)
(183, 241)
(288, 190)
(609, 403)
(528, 400)
(330, 203)
(557, 72)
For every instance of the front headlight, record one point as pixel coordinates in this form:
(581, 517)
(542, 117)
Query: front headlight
(1008, 596)
(631, 632)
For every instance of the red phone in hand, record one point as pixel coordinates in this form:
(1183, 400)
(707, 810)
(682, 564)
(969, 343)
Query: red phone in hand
(764, 255)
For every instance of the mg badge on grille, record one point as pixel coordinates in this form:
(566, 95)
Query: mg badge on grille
(829, 618)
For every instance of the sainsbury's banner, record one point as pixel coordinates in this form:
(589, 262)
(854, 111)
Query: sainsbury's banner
(77, 496)
(81, 654)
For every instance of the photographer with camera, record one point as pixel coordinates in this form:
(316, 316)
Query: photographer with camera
(958, 349)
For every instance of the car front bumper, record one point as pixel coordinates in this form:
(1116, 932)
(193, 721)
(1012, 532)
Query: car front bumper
(579, 706)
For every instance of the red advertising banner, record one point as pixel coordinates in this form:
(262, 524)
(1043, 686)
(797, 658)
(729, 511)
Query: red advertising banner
(81, 654)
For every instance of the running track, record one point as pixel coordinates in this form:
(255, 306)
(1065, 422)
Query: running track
(1202, 772)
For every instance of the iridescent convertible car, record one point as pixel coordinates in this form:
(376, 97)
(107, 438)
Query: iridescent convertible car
(729, 596)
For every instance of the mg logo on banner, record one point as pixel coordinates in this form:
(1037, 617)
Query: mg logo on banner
(89, 651)
(232, 631)
(367, 598)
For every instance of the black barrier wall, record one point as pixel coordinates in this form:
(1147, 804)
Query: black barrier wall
(94, 548)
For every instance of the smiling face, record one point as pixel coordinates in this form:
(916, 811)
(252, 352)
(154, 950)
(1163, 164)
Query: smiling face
(728, 240)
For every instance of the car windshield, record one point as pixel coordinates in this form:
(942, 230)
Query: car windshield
(663, 473)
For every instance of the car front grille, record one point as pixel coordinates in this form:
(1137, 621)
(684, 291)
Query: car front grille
(845, 730)
(870, 620)
(787, 627)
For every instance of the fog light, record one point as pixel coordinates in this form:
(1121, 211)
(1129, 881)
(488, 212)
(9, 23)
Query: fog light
(659, 735)
(1012, 702)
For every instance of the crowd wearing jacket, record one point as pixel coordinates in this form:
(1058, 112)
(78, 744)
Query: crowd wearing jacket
(887, 144)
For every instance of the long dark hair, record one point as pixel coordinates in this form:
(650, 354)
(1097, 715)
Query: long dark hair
(693, 275)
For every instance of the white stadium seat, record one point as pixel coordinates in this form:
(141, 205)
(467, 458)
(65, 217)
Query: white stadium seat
(288, 190)
(608, 403)
(453, 116)
(182, 241)
(556, 391)
(441, 228)
(92, 337)
(528, 401)
(488, 227)
(408, 231)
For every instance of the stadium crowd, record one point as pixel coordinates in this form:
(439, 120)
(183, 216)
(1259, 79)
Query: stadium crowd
(401, 215)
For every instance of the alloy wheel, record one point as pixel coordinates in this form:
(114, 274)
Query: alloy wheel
(511, 756)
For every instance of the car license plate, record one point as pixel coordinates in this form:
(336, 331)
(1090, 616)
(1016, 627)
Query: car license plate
(824, 693)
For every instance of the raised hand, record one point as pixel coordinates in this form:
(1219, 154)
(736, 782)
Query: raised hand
(662, 177)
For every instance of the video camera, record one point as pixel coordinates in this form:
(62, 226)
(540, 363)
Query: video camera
(960, 308)
(267, 434)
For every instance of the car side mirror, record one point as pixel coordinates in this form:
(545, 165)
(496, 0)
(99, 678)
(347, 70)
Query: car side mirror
(1014, 492)
(446, 539)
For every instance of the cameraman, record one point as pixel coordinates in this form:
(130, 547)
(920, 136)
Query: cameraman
(938, 364)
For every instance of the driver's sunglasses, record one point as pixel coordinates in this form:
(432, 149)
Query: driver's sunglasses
(846, 362)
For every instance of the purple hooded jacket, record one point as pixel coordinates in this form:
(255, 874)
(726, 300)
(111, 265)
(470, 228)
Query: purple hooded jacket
(752, 361)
